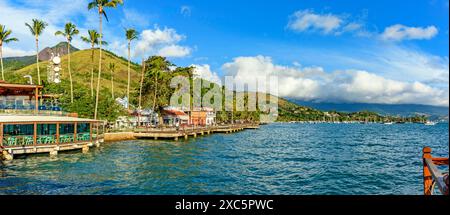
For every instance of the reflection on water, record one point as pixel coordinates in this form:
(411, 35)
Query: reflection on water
(276, 159)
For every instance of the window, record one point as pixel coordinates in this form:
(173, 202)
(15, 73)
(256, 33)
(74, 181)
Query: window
(46, 129)
(66, 128)
(18, 130)
(83, 128)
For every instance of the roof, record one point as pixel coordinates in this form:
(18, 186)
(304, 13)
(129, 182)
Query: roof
(30, 118)
(175, 112)
(18, 89)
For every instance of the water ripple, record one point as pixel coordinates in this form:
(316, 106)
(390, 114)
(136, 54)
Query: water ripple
(276, 159)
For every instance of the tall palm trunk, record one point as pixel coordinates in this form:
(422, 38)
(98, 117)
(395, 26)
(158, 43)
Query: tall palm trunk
(1, 61)
(70, 72)
(128, 86)
(142, 81)
(37, 61)
(156, 89)
(112, 84)
(99, 67)
(92, 72)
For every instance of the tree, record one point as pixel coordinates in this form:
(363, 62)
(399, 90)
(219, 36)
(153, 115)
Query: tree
(37, 28)
(92, 39)
(101, 5)
(4, 39)
(131, 34)
(70, 30)
(156, 82)
(112, 68)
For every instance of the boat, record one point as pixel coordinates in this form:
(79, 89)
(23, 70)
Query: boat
(388, 123)
(430, 123)
(29, 125)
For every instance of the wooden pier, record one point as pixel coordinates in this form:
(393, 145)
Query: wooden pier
(186, 132)
(432, 176)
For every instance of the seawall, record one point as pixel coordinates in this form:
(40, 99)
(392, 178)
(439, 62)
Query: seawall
(119, 136)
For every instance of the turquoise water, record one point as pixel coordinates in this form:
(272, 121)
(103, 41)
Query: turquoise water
(276, 159)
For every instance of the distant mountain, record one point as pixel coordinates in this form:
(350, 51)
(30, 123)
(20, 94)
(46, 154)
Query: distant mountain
(384, 109)
(60, 49)
(15, 63)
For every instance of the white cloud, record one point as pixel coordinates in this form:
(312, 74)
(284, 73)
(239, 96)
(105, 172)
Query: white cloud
(162, 42)
(174, 51)
(204, 72)
(310, 21)
(313, 83)
(400, 32)
(307, 20)
(185, 10)
(10, 52)
(56, 15)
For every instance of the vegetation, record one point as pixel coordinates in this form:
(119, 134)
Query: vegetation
(130, 34)
(5, 38)
(101, 5)
(37, 28)
(93, 40)
(70, 30)
(112, 68)
(151, 88)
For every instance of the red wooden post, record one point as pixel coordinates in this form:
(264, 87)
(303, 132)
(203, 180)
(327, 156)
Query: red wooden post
(36, 98)
(75, 133)
(427, 177)
(1, 135)
(90, 132)
(35, 134)
(57, 133)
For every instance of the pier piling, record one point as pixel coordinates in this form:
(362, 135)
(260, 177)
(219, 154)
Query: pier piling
(85, 149)
(6, 156)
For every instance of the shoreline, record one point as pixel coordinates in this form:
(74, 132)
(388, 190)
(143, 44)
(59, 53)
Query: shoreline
(170, 133)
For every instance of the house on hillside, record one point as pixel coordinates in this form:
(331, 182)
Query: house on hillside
(174, 116)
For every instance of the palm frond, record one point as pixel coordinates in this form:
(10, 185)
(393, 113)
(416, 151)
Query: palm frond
(10, 40)
(85, 39)
(92, 4)
(106, 16)
(60, 33)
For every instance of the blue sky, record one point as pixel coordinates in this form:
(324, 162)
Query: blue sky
(399, 47)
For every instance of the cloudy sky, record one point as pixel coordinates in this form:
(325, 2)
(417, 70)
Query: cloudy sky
(393, 52)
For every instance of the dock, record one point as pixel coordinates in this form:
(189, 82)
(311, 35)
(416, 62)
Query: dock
(47, 134)
(432, 176)
(186, 132)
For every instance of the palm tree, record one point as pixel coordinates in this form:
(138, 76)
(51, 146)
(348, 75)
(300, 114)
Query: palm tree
(101, 5)
(4, 38)
(93, 40)
(37, 28)
(131, 35)
(112, 68)
(70, 30)
(142, 82)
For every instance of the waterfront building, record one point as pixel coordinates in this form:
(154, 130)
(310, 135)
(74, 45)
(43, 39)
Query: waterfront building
(138, 118)
(173, 116)
(202, 117)
(28, 125)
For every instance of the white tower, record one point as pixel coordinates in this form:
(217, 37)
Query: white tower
(54, 69)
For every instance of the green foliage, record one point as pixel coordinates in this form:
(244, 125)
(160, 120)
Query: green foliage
(83, 102)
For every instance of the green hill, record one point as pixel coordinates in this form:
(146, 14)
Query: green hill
(109, 109)
(81, 71)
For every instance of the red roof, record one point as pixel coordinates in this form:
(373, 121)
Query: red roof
(175, 112)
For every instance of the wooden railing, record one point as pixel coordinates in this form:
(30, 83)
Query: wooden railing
(432, 176)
